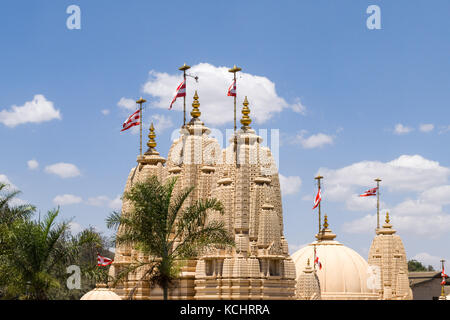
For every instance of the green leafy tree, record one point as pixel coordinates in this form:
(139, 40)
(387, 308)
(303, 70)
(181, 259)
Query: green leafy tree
(416, 266)
(166, 230)
(34, 255)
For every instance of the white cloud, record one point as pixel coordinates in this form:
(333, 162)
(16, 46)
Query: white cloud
(427, 127)
(75, 227)
(36, 111)
(63, 170)
(9, 185)
(428, 259)
(32, 164)
(423, 181)
(298, 107)
(104, 201)
(290, 185)
(161, 122)
(66, 199)
(128, 104)
(401, 129)
(215, 105)
(406, 173)
(116, 203)
(313, 141)
(99, 201)
(105, 112)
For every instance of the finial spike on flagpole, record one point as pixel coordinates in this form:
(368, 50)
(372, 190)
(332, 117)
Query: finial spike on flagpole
(195, 113)
(246, 120)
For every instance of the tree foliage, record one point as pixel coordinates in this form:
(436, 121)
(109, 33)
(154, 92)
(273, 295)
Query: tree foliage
(167, 230)
(416, 266)
(34, 255)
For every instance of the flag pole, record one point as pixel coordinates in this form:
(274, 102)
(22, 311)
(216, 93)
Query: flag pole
(318, 178)
(378, 180)
(443, 278)
(140, 102)
(183, 68)
(234, 70)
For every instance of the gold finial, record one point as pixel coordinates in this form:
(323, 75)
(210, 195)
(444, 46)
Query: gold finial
(141, 100)
(387, 217)
(151, 136)
(325, 223)
(307, 262)
(234, 69)
(246, 111)
(184, 67)
(195, 113)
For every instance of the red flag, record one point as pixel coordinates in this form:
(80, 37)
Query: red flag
(318, 263)
(103, 261)
(232, 89)
(318, 199)
(443, 275)
(181, 92)
(370, 192)
(132, 120)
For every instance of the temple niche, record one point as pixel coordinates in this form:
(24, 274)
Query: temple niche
(245, 179)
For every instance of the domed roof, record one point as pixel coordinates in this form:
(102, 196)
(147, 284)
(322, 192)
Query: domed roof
(344, 272)
(101, 292)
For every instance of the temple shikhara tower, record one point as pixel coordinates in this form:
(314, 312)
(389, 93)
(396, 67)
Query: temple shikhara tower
(245, 179)
(388, 257)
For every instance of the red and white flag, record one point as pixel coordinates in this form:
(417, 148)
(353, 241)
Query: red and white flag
(232, 89)
(318, 263)
(103, 261)
(318, 199)
(181, 92)
(132, 121)
(370, 192)
(443, 275)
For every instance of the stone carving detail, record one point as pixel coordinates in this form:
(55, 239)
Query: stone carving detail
(244, 178)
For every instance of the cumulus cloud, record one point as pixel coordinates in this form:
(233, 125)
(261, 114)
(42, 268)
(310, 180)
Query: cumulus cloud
(104, 201)
(105, 112)
(32, 164)
(215, 105)
(298, 107)
(36, 111)
(290, 185)
(116, 203)
(9, 185)
(426, 127)
(63, 170)
(160, 122)
(66, 199)
(127, 104)
(401, 129)
(313, 141)
(420, 183)
(75, 227)
(428, 259)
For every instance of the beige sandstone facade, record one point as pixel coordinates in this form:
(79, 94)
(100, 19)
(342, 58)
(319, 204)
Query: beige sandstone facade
(388, 254)
(245, 179)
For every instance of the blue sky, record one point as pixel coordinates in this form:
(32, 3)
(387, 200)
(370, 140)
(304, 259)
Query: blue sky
(363, 97)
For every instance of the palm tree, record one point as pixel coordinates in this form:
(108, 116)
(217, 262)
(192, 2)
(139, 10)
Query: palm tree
(38, 252)
(9, 212)
(165, 229)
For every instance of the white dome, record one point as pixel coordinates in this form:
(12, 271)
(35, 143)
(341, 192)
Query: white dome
(101, 293)
(344, 272)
